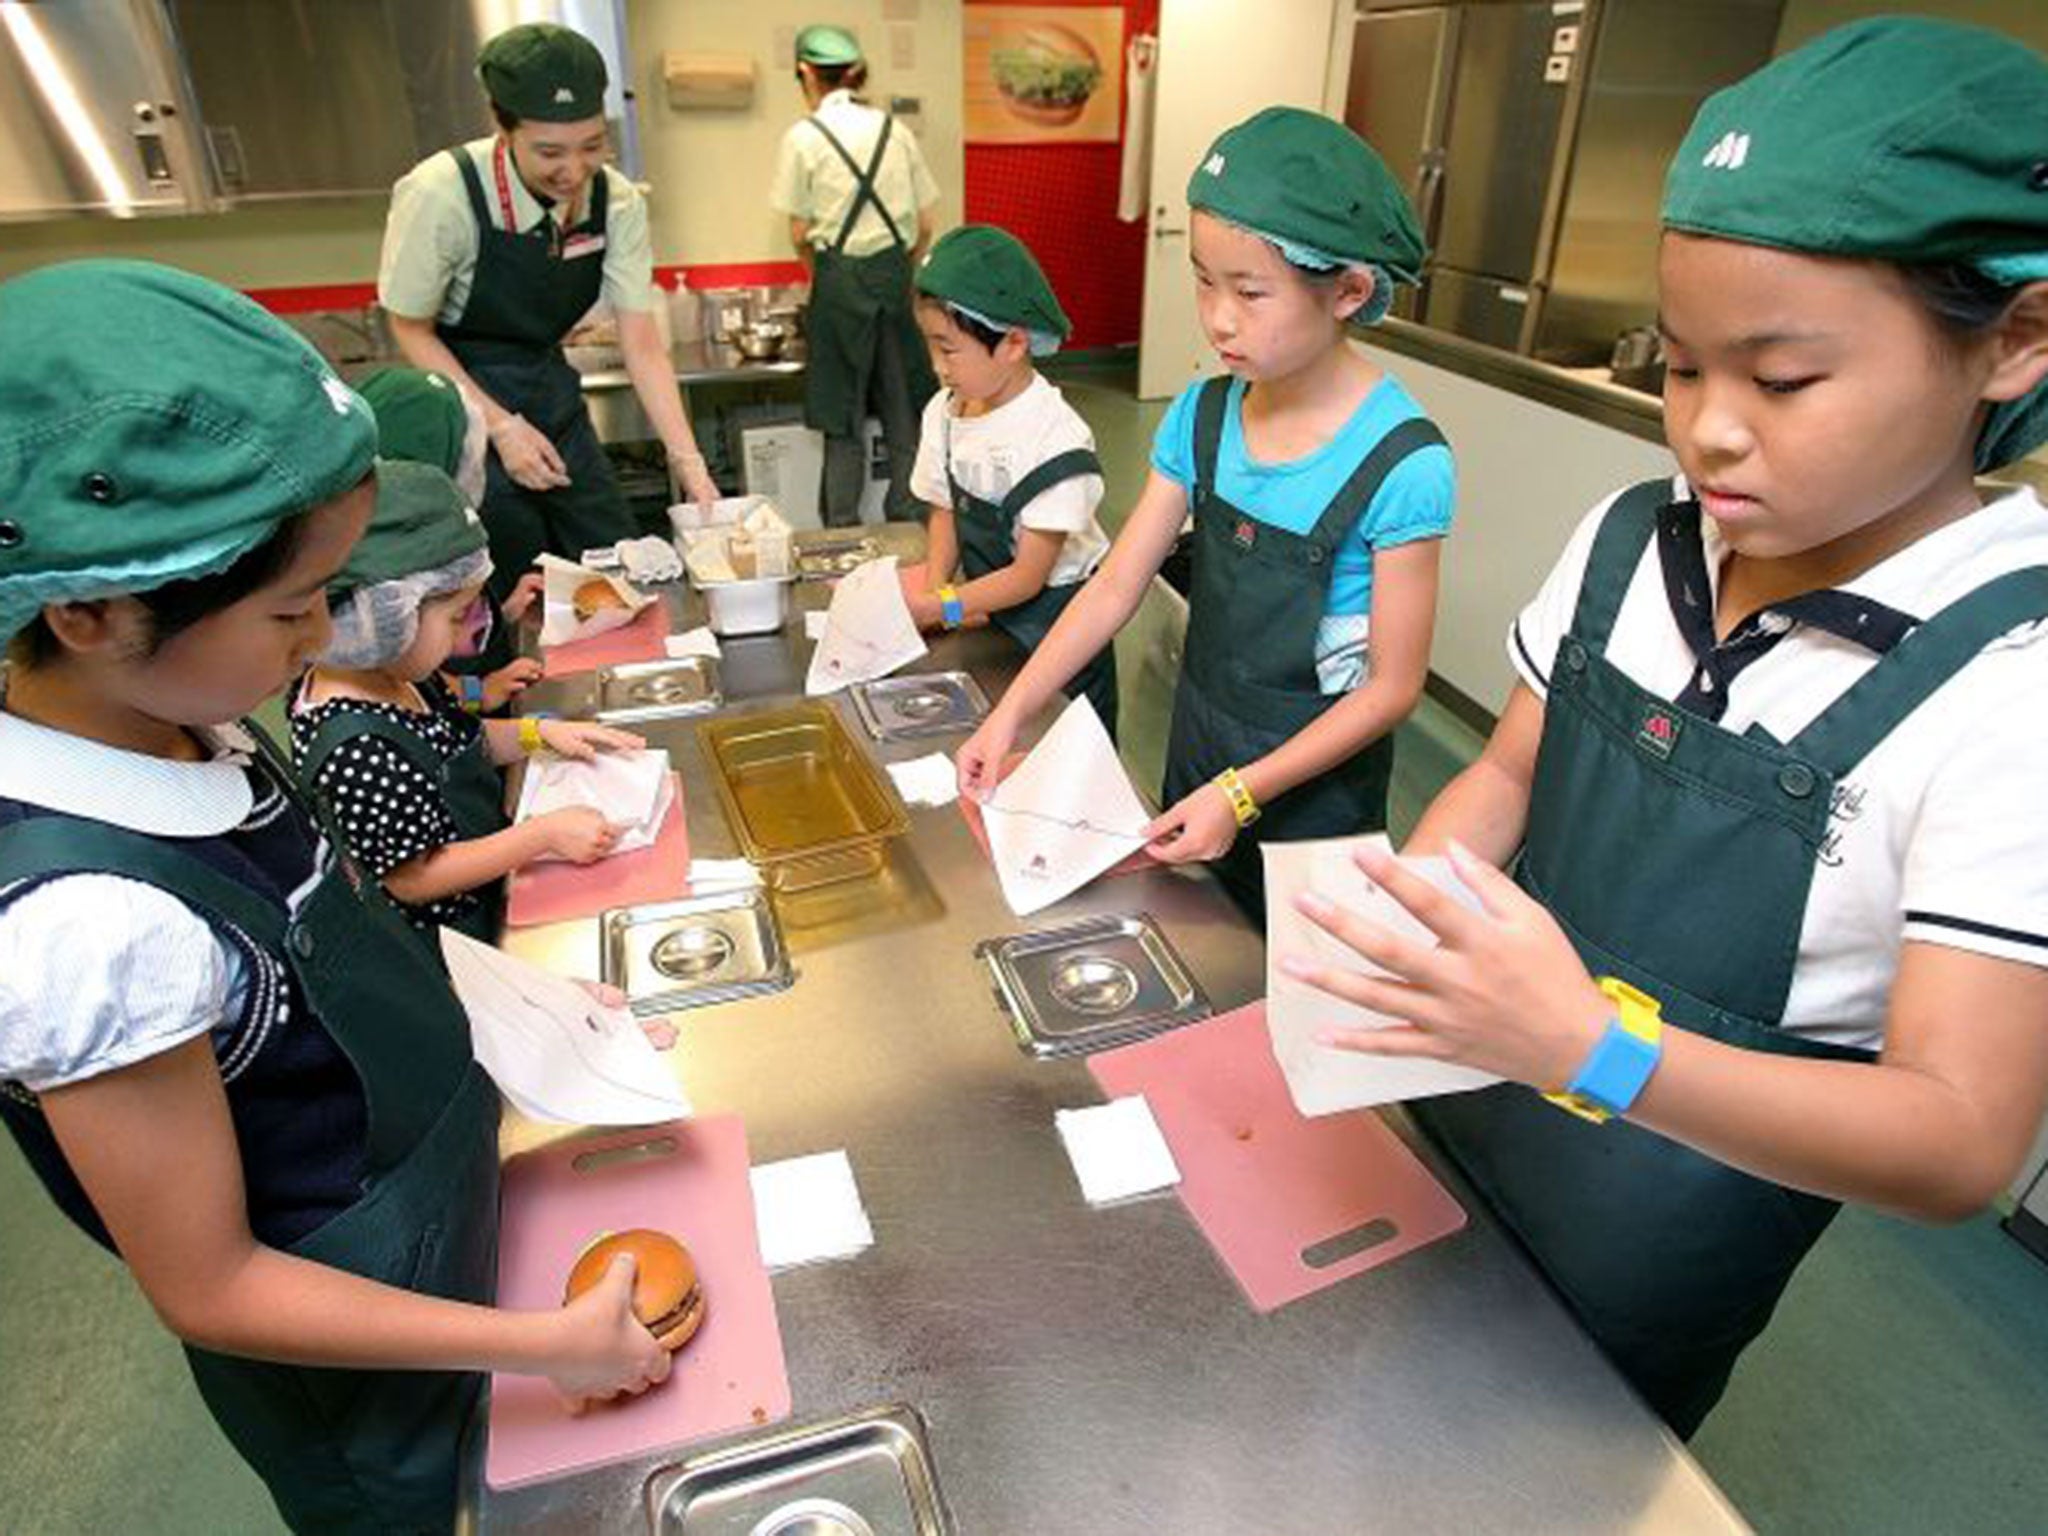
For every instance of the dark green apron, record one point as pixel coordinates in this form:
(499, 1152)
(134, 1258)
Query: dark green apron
(854, 299)
(988, 542)
(1678, 855)
(1249, 679)
(470, 784)
(523, 299)
(368, 1452)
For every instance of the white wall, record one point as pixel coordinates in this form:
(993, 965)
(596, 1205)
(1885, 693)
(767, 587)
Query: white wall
(711, 169)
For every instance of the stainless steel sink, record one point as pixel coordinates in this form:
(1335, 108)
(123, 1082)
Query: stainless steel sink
(657, 690)
(704, 949)
(868, 1474)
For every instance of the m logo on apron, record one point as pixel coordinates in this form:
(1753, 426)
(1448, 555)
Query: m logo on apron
(1658, 733)
(1245, 534)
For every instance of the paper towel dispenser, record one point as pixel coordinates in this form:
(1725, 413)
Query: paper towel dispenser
(708, 80)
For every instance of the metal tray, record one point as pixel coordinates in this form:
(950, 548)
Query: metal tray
(657, 690)
(919, 704)
(827, 559)
(683, 954)
(869, 1474)
(802, 797)
(1090, 985)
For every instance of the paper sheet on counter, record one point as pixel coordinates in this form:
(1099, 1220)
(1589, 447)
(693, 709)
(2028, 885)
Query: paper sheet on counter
(1323, 1079)
(1117, 1150)
(694, 642)
(553, 1050)
(1067, 814)
(869, 632)
(561, 578)
(928, 780)
(632, 789)
(809, 1208)
(815, 620)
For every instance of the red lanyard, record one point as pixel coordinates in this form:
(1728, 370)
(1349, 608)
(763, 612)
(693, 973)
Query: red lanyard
(505, 202)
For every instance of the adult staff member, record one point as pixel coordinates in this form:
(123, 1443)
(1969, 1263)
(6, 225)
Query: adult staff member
(492, 251)
(858, 194)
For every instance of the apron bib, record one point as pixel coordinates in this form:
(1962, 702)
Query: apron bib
(469, 784)
(1672, 1260)
(1249, 680)
(853, 300)
(524, 298)
(988, 542)
(347, 1450)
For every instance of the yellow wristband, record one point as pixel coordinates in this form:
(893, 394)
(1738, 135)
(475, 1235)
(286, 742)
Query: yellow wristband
(530, 738)
(951, 612)
(1242, 805)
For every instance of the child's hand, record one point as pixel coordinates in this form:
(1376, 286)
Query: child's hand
(520, 600)
(583, 739)
(1200, 828)
(509, 681)
(1503, 990)
(979, 763)
(578, 833)
(602, 1349)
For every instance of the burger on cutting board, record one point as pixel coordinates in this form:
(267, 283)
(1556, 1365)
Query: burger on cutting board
(666, 1296)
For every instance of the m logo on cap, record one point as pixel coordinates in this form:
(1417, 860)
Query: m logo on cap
(339, 395)
(1213, 165)
(563, 93)
(1728, 153)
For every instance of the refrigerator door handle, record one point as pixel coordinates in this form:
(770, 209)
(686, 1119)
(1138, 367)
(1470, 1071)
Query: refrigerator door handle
(1429, 194)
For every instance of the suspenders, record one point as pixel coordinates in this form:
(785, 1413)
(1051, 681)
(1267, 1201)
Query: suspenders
(864, 193)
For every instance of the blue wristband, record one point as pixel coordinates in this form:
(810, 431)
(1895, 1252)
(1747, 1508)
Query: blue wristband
(472, 691)
(953, 611)
(1614, 1072)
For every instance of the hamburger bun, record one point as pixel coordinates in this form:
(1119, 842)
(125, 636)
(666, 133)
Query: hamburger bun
(594, 596)
(666, 1296)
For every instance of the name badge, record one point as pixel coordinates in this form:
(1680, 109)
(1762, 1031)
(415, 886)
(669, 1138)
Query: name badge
(581, 245)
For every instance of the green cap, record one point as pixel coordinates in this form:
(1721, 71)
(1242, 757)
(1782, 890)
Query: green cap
(420, 416)
(1897, 137)
(154, 427)
(989, 272)
(541, 71)
(421, 524)
(826, 45)
(1305, 179)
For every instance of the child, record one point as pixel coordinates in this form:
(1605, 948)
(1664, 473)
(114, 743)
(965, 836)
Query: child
(224, 1061)
(1319, 493)
(1774, 764)
(411, 777)
(1007, 465)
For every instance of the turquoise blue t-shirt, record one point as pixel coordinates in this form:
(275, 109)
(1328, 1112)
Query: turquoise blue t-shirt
(1413, 503)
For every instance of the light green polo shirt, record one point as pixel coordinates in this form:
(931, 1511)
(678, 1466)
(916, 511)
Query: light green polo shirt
(812, 182)
(430, 237)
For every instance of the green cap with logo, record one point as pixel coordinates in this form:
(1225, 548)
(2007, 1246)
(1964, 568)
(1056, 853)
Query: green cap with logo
(420, 416)
(827, 45)
(544, 72)
(1897, 138)
(421, 524)
(154, 427)
(989, 273)
(1301, 179)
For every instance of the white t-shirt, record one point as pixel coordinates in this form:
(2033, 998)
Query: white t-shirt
(994, 452)
(98, 972)
(812, 183)
(1940, 835)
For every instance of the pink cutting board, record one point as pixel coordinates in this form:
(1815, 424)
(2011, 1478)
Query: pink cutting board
(640, 640)
(730, 1376)
(971, 813)
(553, 891)
(1263, 1182)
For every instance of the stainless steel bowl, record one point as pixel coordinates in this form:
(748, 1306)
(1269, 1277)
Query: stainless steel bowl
(762, 340)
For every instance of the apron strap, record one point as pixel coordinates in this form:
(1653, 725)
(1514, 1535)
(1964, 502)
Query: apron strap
(1356, 494)
(478, 205)
(1060, 468)
(1624, 534)
(864, 183)
(1913, 669)
(337, 730)
(1210, 405)
(47, 846)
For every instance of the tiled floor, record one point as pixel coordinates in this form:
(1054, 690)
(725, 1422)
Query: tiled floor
(1903, 1389)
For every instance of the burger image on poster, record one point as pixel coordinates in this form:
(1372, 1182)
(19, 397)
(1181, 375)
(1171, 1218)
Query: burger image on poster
(1045, 74)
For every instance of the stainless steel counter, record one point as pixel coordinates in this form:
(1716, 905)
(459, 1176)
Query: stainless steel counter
(615, 409)
(1084, 1370)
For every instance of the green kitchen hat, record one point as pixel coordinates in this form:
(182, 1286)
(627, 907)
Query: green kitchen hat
(989, 273)
(154, 427)
(421, 524)
(826, 45)
(1299, 177)
(420, 416)
(544, 72)
(1897, 138)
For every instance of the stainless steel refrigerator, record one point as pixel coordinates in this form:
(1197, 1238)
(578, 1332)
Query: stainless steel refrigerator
(1533, 135)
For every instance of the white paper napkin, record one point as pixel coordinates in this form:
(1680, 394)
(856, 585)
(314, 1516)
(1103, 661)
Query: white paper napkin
(868, 633)
(928, 780)
(808, 1208)
(1067, 814)
(1321, 1078)
(1117, 1150)
(553, 1050)
(815, 620)
(707, 874)
(695, 642)
(633, 789)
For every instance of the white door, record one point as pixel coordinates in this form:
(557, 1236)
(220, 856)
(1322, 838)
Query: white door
(1219, 62)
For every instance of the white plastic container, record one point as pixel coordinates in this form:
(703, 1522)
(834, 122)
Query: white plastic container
(757, 607)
